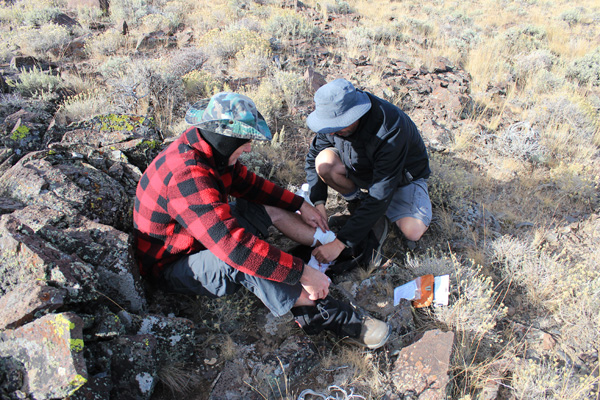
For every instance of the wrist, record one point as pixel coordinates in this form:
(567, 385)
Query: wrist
(305, 273)
(340, 245)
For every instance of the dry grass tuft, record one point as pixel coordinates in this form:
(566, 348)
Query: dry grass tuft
(179, 379)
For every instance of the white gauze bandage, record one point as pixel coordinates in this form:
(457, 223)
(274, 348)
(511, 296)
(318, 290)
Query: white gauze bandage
(323, 237)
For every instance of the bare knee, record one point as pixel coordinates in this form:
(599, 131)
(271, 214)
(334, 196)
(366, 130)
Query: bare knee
(327, 164)
(277, 214)
(412, 228)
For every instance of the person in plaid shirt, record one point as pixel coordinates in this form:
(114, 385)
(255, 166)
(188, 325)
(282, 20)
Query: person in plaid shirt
(190, 239)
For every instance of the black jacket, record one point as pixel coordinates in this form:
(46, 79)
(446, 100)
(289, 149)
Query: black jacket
(385, 152)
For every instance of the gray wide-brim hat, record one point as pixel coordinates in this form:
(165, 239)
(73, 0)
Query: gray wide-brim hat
(229, 114)
(337, 105)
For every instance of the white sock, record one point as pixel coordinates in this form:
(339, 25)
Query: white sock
(322, 237)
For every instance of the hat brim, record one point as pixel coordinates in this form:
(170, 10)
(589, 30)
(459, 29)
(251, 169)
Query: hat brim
(320, 124)
(227, 127)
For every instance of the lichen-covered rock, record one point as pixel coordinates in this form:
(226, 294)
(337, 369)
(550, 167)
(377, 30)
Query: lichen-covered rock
(175, 336)
(50, 349)
(24, 130)
(107, 129)
(139, 152)
(133, 366)
(110, 160)
(107, 249)
(21, 304)
(25, 257)
(55, 179)
(128, 139)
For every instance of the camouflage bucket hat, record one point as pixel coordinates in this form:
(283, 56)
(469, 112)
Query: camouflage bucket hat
(229, 114)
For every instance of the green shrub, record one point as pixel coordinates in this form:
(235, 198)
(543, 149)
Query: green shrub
(28, 13)
(547, 380)
(573, 16)
(360, 37)
(292, 86)
(477, 307)
(37, 83)
(338, 7)
(200, 84)
(225, 44)
(82, 106)
(419, 27)
(290, 25)
(267, 98)
(465, 40)
(450, 184)
(114, 66)
(107, 43)
(129, 10)
(586, 70)
(544, 81)
(39, 41)
(253, 60)
(524, 39)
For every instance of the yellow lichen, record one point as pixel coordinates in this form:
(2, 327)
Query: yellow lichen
(118, 122)
(20, 133)
(76, 344)
(77, 382)
(61, 323)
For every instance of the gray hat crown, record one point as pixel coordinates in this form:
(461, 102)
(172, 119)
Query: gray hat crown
(337, 105)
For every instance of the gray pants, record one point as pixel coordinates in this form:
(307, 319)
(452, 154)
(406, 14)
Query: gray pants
(204, 274)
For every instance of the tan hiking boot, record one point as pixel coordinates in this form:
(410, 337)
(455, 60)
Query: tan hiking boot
(373, 335)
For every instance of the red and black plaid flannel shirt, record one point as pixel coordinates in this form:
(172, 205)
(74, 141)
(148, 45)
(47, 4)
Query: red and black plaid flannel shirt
(181, 208)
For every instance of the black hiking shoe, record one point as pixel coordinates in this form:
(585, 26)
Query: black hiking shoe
(344, 321)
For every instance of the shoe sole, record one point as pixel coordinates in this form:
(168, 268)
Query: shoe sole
(372, 346)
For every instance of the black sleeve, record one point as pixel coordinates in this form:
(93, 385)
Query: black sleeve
(317, 188)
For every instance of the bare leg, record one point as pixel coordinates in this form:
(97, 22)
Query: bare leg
(412, 228)
(333, 172)
(291, 225)
(303, 300)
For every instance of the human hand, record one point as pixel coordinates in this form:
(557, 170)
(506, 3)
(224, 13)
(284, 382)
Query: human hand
(313, 217)
(315, 283)
(328, 252)
(321, 208)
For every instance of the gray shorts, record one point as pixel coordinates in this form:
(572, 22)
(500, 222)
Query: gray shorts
(204, 274)
(411, 200)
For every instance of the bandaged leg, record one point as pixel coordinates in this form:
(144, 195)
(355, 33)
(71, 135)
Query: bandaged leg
(323, 238)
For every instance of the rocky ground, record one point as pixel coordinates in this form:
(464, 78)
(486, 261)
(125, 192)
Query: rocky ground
(77, 322)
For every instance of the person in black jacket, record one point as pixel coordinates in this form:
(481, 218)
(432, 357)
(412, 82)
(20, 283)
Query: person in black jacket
(371, 152)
